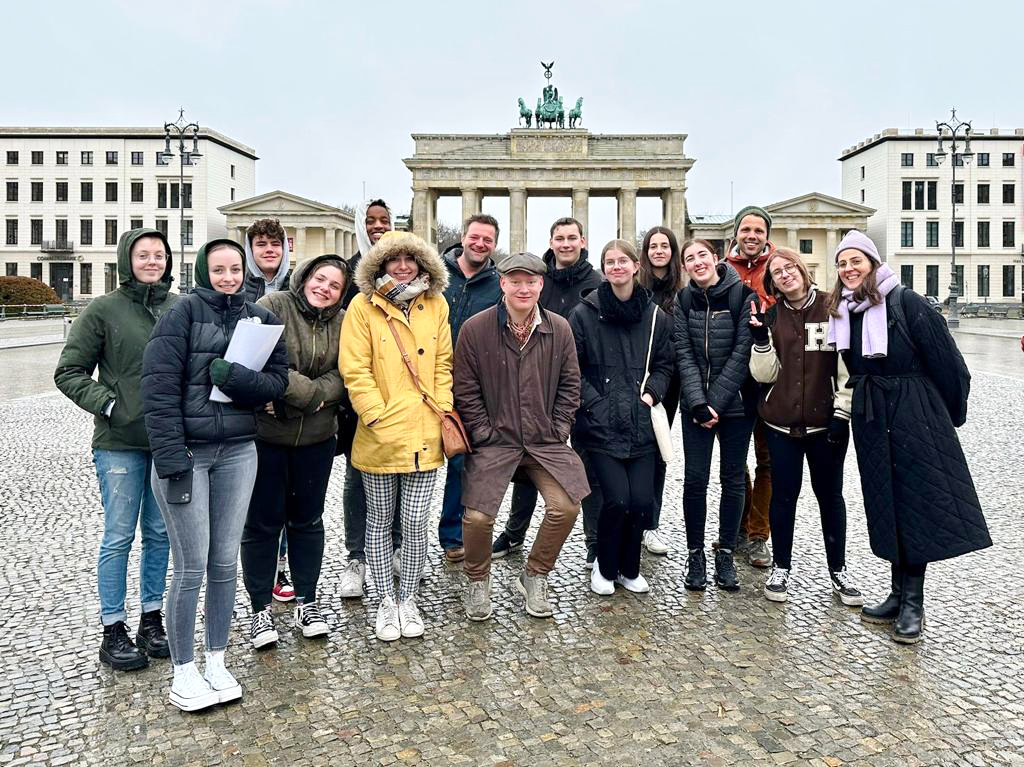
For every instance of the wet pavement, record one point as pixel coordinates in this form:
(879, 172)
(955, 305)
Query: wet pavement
(666, 678)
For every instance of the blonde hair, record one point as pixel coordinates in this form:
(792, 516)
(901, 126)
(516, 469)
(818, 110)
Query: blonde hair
(623, 246)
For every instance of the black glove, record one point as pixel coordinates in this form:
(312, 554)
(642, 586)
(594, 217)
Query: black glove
(838, 431)
(701, 414)
(758, 332)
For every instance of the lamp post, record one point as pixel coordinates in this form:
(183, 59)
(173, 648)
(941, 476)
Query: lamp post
(182, 132)
(957, 131)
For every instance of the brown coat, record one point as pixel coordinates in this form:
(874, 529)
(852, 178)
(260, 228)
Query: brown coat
(516, 403)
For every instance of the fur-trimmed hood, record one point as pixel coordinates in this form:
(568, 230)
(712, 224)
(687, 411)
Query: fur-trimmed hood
(391, 244)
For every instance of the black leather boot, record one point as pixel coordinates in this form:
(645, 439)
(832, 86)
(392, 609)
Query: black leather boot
(151, 637)
(886, 611)
(725, 571)
(909, 623)
(696, 571)
(117, 650)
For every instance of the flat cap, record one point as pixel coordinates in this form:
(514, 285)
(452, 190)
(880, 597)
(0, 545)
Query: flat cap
(522, 262)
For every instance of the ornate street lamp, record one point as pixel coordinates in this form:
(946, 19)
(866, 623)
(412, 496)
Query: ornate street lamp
(956, 131)
(182, 132)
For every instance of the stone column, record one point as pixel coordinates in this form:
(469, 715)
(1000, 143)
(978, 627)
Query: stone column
(831, 242)
(351, 243)
(581, 207)
(339, 242)
(673, 212)
(517, 220)
(240, 233)
(300, 243)
(329, 239)
(627, 214)
(792, 240)
(470, 204)
(421, 223)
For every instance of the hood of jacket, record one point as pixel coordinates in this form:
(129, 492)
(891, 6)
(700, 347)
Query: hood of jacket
(371, 264)
(125, 275)
(252, 269)
(451, 261)
(570, 274)
(202, 268)
(298, 286)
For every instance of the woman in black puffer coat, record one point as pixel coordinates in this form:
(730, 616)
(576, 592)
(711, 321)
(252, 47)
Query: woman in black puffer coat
(712, 340)
(204, 457)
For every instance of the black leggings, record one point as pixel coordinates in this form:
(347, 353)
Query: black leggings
(825, 462)
(627, 485)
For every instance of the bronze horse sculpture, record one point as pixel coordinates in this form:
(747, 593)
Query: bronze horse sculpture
(524, 112)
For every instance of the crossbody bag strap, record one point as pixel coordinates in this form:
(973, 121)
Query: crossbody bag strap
(650, 344)
(408, 364)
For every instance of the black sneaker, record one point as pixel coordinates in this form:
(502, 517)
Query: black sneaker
(118, 651)
(776, 587)
(843, 588)
(262, 631)
(696, 571)
(151, 637)
(725, 571)
(503, 546)
(590, 559)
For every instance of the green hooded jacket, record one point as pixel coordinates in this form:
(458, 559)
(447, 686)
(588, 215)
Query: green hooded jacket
(111, 333)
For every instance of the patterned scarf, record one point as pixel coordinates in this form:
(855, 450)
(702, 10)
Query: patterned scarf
(401, 294)
(523, 331)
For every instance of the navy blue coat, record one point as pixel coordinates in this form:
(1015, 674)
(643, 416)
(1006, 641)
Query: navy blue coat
(467, 297)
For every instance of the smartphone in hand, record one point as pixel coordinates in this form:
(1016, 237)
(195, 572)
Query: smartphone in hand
(179, 488)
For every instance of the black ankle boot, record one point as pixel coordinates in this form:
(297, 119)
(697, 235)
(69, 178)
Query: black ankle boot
(910, 621)
(725, 571)
(117, 650)
(696, 571)
(151, 637)
(886, 611)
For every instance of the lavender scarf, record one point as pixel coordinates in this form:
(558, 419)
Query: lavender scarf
(875, 328)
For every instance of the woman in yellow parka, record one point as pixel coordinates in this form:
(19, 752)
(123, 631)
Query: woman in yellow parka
(397, 445)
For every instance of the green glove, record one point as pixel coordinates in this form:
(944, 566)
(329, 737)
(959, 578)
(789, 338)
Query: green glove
(220, 371)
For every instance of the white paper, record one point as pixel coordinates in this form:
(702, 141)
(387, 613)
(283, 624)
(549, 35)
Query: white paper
(250, 346)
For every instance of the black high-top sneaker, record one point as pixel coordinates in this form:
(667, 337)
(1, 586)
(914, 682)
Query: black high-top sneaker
(117, 650)
(696, 571)
(725, 571)
(886, 611)
(151, 637)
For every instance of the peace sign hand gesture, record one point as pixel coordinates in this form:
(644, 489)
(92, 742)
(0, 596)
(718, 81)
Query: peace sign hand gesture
(758, 325)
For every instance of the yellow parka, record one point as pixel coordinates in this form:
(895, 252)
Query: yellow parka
(397, 433)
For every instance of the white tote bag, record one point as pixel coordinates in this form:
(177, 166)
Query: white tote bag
(659, 416)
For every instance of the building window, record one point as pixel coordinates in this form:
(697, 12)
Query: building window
(907, 275)
(62, 158)
(37, 191)
(62, 191)
(110, 280)
(186, 158)
(186, 195)
(162, 159)
(984, 234)
(918, 195)
(188, 278)
(60, 229)
(85, 278)
(37, 158)
(958, 234)
(958, 194)
(233, 171)
(111, 191)
(959, 281)
(1009, 286)
(906, 160)
(908, 195)
(36, 232)
(85, 231)
(12, 269)
(12, 191)
(983, 190)
(187, 231)
(111, 158)
(86, 158)
(136, 191)
(933, 195)
(12, 231)
(1008, 194)
(982, 159)
(86, 191)
(1008, 234)
(12, 158)
(111, 231)
(931, 279)
(233, 195)
(1007, 159)
(806, 247)
(931, 232)
(136, 223)
(983, 272)
(36, 271)
(137, 158)
(161, 226)
(958, 160)
(161, 195)
(930, 161)
(175, 197)
(906, 234)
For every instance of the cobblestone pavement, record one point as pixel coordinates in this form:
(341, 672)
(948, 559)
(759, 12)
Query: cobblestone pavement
(667, 678)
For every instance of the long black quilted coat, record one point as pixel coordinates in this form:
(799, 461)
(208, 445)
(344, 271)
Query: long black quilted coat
(176, 378)
(918, 493)
(712, 351)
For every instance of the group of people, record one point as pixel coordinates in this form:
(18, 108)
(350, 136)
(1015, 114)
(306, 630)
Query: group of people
(567, 379)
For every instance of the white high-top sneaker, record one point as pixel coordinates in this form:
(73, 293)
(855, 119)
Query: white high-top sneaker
(220, 679)
(189, 691)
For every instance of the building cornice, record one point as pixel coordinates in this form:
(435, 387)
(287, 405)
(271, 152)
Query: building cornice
(28, 132)
(893, 134)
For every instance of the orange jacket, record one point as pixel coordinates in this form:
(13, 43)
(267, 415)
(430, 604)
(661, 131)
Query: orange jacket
(752, 272)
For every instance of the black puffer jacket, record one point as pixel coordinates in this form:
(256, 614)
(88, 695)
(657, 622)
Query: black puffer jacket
(611, 344)
(176, 378)
(563, 288)
(713, 351)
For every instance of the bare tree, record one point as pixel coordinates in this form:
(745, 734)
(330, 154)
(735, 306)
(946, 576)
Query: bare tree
(447, 235)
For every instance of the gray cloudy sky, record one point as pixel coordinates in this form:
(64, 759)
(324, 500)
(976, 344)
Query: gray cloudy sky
(329, 93)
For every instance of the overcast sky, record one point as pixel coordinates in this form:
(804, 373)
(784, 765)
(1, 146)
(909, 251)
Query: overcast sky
(328, 95)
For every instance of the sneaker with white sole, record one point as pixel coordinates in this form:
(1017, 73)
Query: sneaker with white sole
(758, 553)
(409, 618)
(261, 630)
(189, 691)
(535, 589)
(590, 559)
(478, 600)
(309, 618)
(776, 586)
(638, 585)
(843, 588)
(503, 546)
(388, 627)
(352, 579)
(220, 679)
(599, 584)
(654, 543)
(283, 589)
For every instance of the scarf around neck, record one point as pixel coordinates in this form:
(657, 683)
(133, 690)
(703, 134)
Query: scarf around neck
(875, 327)
(401, 294)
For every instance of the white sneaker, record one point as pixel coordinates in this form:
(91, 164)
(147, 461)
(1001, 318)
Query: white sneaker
(396, 566)
(352, 579)
(388, 625)
(309, 618)
(261, 630)
(776, 586)
(599, 584)
(410, 619)
(638, 585)
(654, 543)
(189, 691)
(220, 679)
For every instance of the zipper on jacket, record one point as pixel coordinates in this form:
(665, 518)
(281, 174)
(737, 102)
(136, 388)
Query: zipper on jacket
(707, 334)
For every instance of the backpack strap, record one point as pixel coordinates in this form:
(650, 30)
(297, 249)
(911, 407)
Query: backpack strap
(685, 302)
(898, 315)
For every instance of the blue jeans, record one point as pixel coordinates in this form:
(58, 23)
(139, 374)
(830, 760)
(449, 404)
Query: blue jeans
(205, 535)
(128, 502)
(449, 527)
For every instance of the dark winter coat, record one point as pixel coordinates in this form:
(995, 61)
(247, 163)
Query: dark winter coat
(466, 297)
(307, 414)
(255, 286)
(663, 293)
(713, 350)
(176, 376)
(611, 346)
(352, 290)
(563, 288)
(516, 402)
(919, 497)
(111, 333)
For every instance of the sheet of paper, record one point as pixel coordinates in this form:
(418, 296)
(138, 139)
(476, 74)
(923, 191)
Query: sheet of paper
(250, 346)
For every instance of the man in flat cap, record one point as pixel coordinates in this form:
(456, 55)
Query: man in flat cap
(517, 388)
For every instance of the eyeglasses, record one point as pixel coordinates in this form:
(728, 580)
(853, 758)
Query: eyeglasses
(158, 257)
(787, 269)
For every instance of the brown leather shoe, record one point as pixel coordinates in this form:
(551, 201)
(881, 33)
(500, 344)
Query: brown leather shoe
(455, 555)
